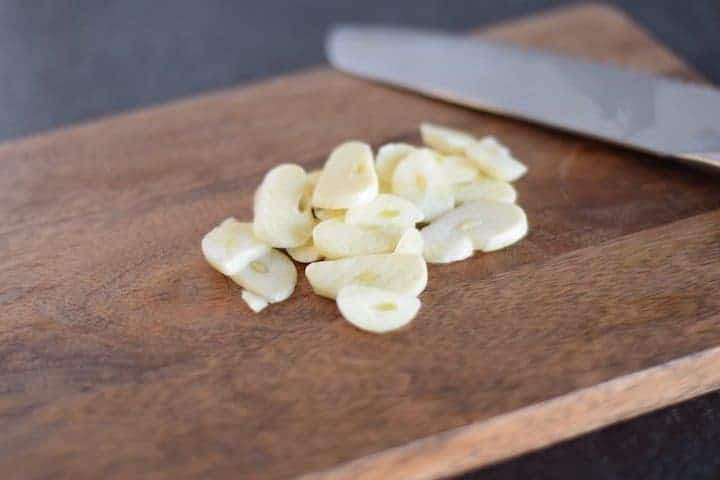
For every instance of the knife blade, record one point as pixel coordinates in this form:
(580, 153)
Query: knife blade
(619, 105)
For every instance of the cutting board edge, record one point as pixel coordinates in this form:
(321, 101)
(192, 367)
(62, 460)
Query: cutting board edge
(398, 460)
(543, 424)
(109, 120)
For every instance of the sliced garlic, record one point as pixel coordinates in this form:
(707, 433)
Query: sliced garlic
(486, 188)
(375, 310)
(230, 246)
(410, 242)
(402, 273)
(308, 253)
(310, 182)
(272, 276)
(348, 178)
(418, 178)
(254, 301)
(328, 213)
(479, 225)
(278, 218)
(336, 239)
(495, 160)
(387, 159)
(385, 210)
(457, 169)
(445, 140)
(451, 248)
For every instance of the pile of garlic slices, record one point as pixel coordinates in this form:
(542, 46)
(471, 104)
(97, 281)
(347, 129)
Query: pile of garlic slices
(355, 223)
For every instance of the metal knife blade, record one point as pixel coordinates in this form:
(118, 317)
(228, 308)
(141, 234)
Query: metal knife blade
(619, 105)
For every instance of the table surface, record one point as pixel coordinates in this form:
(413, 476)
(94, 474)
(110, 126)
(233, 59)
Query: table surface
(64, 63)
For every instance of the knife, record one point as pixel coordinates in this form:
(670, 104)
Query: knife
(627, 107)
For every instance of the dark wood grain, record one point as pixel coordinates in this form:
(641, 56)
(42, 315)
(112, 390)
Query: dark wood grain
(122, 354)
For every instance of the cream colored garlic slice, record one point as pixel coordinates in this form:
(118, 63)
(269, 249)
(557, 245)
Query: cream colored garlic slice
(397, 272)
(384, 187)
(386, 211)
(254, 301)
(478, 225)
(272, 276)
(375, 310)
(495, 160)
(308, 253)
(328, 213)
(348, 178)
(230, 246)
(410, 242)
(456, 169)
(486, 188)
(452, 248)
(278, 218)
(310, 182)
(419, 179)
(387, 159)
(336, 239)
(445, 140)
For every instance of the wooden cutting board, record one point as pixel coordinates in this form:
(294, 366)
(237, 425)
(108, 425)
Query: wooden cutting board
(123, 355)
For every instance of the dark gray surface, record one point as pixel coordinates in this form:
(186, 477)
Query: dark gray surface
(68, 61)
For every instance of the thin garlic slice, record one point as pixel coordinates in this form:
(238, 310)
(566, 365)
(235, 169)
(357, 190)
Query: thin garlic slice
(375, 310)
(386, 211)
(278, 218)
(272, 276)
(348, 178)
(495, 160)
(328, 213)
(479, 225)
(230, 246)
(310, 182)
(419, 179)
(445, 140)
(410, 242)
(451, 248)
(337, 239)
(457, 169)
(254, 301)
(387, 159)
(402, 273)
(486, 188)
(308, 253)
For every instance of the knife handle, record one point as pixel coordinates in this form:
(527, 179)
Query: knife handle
(703, 159)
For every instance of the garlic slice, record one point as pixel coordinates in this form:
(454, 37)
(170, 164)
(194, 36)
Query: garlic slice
(328, 213)
(478, 225)
(308, 253)
(230, 246)
(375, 310)
(495, 160)
(387, 211)
(310, 182)
(457, 169)
(444, 139)
(278, 219)
(336, 239)
(387, 159)
(419, 179)
(272, 276)
(398, 272)
(486, 188)
(410, 242)
(254, 301)
(348, 178)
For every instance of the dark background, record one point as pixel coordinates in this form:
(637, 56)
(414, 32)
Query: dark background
(68, 61)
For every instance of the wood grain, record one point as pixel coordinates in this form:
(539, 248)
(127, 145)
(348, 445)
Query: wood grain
(123, 355)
